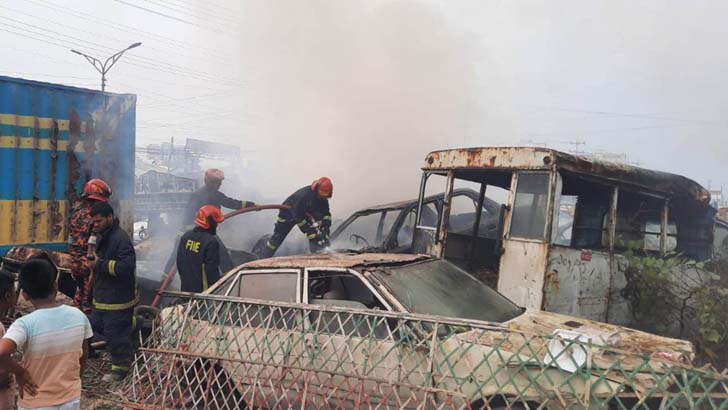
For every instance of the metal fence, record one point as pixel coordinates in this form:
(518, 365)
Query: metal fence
(211, 352)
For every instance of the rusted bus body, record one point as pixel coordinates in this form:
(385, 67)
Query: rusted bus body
(54, 138)
(566, 224)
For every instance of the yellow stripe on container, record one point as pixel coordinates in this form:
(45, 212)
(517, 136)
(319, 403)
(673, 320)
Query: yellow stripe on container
(7, 141)
(30, 221)
(43, 123)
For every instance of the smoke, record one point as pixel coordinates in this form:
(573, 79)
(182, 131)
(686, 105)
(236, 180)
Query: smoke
(360, 91)
(357, 91)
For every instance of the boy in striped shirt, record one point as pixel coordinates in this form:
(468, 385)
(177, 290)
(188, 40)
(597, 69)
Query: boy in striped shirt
(54, 342)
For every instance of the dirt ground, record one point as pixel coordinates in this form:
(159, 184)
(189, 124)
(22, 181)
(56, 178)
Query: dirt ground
(94, 391)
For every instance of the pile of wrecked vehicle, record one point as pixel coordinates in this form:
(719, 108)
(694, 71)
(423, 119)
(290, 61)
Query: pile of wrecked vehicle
(406, 315)
(397, 331)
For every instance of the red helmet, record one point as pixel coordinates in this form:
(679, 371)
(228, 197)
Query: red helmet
(214, 174)
(96, 189)
(208, 211)
(323, 186)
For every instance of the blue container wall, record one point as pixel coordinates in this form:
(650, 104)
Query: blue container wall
(53, 139)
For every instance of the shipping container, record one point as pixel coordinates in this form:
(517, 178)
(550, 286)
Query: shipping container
(54, 138)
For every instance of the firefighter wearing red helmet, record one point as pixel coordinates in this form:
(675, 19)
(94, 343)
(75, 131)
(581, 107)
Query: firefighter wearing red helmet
(310, 212)
(198, 251)
(80, 234)
(209, 194)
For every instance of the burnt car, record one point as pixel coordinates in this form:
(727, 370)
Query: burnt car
(388, 228)
(314, 328)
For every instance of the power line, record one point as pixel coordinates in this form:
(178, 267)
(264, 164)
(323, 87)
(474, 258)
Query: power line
(620, 114)
(208, 3)
(121, 42)
(104, 49)
(181, 45)
(207, 17)
(149, 66)
(167, 16)
(603, 131)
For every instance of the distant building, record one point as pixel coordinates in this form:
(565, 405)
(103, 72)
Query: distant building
(160, 193)
(717, 199)
(186, 159)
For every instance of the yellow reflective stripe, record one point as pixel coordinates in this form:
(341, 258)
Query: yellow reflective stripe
(30, 121)
(112, 267)
(9, 141)
(281, 220)
(270, 245)
(303, 223)
(117, 306)
(204, 278)
(327, 217)
(119, 368)
(311, 236)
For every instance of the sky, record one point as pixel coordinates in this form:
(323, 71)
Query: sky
(362, 90)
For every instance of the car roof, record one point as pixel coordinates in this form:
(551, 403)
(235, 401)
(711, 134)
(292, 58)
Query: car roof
(336, 260)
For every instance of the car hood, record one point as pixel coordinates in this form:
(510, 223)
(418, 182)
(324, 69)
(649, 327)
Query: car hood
(616, 337)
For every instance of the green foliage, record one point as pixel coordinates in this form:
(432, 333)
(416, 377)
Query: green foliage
(668, 290)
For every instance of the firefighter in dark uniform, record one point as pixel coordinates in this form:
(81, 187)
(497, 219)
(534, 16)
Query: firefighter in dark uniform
(114, 289)
(209, 194)
(309, 209)
(198, 252)
(80, 232)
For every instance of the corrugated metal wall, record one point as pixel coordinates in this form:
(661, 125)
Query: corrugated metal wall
(53, 139)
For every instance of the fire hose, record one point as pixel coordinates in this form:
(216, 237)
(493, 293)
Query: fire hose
(173, 270)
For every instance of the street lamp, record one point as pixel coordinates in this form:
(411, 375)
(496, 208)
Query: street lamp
(104, 67)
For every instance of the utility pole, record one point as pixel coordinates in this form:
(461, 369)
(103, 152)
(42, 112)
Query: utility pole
(104, 67)
(578, 143)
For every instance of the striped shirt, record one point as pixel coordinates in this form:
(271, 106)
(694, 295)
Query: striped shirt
(52, 344)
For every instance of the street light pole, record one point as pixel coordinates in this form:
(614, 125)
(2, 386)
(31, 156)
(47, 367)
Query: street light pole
(104, 67)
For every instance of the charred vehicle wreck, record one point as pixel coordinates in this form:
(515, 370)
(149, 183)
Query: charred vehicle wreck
(565, 225)
(389, 228)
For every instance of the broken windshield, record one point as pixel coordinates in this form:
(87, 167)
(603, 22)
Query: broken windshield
(438, 287)
(366, 231)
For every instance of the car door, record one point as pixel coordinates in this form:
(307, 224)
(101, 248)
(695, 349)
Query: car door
(354, 352)
(261, 334)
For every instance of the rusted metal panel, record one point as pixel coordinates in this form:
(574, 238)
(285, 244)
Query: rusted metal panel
(522, 272)
(577, 283)
(529, 158)
(484, 158)
(53, 139)
(335, 260)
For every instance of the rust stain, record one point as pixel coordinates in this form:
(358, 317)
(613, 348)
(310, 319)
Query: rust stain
(55, 224)
(573, 324)
(524, 158)
(335, 260)
(552, 279)
(73, 163)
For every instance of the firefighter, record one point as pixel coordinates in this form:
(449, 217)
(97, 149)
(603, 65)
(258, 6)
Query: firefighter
(310, 211)
(198, 253)
(209, 194)
(80, 229)
(114, 289)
